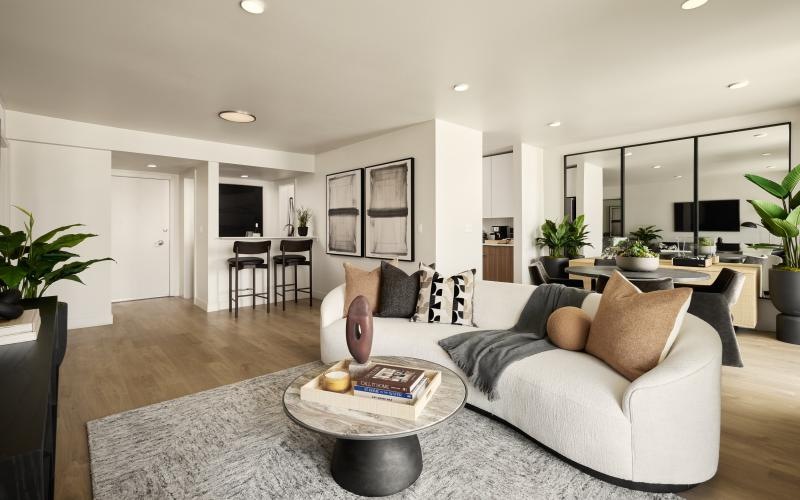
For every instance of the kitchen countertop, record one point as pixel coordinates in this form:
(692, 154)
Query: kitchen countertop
(498, 243)
(256, 238)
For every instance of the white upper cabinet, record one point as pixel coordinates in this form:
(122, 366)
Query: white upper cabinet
(498, 184)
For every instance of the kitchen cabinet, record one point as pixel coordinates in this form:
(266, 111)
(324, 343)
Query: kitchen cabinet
(498, 186)
(498, 263)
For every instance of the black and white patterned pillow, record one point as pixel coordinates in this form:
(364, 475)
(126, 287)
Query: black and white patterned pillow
(445, 300)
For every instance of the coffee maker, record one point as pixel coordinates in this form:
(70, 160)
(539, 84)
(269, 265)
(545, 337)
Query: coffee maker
(501, 232)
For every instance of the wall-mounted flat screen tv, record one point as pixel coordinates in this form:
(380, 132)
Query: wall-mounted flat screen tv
(715, 215)
(241, 209)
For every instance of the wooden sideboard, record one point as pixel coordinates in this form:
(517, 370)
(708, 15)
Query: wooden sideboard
(498, 263)
(745, 311)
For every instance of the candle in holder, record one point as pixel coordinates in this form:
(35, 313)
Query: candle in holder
(336, 381)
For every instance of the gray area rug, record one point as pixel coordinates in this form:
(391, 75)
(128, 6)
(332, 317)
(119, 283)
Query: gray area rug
(236, 442)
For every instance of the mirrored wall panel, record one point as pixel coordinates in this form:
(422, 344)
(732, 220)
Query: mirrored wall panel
(659, 190)
(726, 218)
(593, 187)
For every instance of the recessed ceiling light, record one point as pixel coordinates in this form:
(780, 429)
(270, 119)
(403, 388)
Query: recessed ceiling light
(738, 85)
(628, 154)
(656, 166)
(692, 4)
(554, 124)
(461, 87)
(253, 6)
(678, 177)
(237, 116)
(770, 166)
(244, 176)
(766, 154)
(152, 165)
(761, 134)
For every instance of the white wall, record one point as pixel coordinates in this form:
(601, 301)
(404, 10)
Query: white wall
(65, 185)
(201, 236)
(38, 128)
(529, 207)
(553, 191)
(459, 195)
(417, 141)
(187, 234)
(5, 183)
(286, 191)
(589, 203)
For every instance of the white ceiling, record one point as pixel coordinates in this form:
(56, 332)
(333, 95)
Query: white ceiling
(320, 73)
(168, 165)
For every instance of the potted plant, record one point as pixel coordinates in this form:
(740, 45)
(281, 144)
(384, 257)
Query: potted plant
(706, 246)
(647, 235)
(564, 241)
(28, 265)
(782, 219)
(303, 217)
(634, 255)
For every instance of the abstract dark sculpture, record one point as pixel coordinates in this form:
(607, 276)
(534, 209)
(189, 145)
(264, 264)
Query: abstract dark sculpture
(359, 329)
(9, 304)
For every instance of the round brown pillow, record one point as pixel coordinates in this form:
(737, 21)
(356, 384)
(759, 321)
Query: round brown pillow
(568, 328)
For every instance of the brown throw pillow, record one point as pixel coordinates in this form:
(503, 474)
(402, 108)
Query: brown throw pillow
(633, 331)
(568, 328)
(360, 282)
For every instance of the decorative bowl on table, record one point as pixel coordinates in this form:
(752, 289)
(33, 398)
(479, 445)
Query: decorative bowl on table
(640, 264)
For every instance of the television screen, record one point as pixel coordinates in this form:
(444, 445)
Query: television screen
(240, 209)
(715, 215)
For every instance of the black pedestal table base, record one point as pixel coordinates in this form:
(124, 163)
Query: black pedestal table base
(787, 328)
(376, 467)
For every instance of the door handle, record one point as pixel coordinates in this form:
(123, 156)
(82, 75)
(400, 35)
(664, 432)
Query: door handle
(159, 243)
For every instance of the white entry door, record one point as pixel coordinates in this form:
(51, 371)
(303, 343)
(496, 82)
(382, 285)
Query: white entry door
(139, 238)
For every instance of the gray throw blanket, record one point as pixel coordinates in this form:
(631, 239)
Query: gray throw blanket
(713, 309)
(485, 354)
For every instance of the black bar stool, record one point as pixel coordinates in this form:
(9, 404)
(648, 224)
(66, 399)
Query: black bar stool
(293, 260)
(238, 263)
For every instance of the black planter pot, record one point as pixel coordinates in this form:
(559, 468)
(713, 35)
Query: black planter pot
(555, 266)
(302, 231)
(784, 290)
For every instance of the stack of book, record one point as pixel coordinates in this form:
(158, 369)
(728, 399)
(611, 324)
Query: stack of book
(23, 329)
(391, 383)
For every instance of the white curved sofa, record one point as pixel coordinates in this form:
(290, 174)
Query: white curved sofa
(658, 433)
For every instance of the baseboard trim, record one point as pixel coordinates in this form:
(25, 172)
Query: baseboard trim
(74, 323)
(631, 485)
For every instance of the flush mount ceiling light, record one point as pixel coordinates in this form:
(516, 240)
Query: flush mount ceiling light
(152, 165)
(770, 166)
(461, 87)
(761, 134)
(692, 4)
(656, 166)
(678, 177)
(766, 154)
(738, 85)
(554, 124)
(628, 154)
(253, 6)
(244, 176)
(237, 116)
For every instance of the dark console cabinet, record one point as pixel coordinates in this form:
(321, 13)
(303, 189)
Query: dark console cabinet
(29, 405)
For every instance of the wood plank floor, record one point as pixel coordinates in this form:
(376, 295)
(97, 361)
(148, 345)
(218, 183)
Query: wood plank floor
(165, 348)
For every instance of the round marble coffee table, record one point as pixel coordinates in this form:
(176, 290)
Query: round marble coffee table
(376, 455)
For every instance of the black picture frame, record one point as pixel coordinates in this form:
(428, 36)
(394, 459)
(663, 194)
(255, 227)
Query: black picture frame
(359, 213)
(372, 215)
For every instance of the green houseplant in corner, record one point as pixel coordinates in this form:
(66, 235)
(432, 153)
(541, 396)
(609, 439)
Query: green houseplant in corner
(782, 219)
(564, 241)
(303, 218)
(28, 265)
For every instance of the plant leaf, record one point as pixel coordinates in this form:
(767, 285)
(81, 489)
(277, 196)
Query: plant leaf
(794, 217)
(768, 210)
(792, 178)
(11, 275)
(10, 244)
(769, 186)
(68, 241)
(46, 236)
(781, 228)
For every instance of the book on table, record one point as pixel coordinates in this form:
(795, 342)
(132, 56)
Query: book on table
(22, 329)
(408, 398)
(392, 378)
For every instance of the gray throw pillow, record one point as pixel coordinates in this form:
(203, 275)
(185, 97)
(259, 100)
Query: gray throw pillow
(399, 292)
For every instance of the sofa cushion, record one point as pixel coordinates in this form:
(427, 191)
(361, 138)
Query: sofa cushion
(568, 328)
(399, 292)
(445, 300)
(633, 331)
(361, 282)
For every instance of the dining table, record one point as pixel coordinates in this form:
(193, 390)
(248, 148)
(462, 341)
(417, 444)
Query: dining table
(677, 275)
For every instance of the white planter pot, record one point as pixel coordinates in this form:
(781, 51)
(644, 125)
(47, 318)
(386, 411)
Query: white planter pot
(708, 250)
(641, 264)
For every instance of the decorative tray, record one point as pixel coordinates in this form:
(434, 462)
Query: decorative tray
(313, 392)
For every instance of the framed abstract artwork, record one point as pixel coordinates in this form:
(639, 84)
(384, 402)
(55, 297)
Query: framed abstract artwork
(389, 200)
(345, 200)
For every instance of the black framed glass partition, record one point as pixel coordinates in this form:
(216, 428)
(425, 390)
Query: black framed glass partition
(688, 187)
